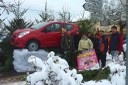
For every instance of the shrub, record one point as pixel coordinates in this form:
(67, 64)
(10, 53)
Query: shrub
(95, 74)
(103, 74)
(7, 55)
(86, 26)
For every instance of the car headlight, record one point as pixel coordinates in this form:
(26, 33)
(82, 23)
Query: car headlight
(23, 34)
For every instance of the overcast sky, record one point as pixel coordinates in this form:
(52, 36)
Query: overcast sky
(35, 6)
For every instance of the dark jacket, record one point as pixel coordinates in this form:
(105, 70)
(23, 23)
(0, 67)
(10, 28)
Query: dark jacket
(105, 41)
(116, 42)
(96, 45)
(76, 39)
(98, 41)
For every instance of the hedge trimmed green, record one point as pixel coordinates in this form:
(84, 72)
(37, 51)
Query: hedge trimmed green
(95, 74)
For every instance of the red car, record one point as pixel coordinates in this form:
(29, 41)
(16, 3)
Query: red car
(44, 34)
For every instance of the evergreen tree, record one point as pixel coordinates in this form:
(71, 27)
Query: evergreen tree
(18, 22)
(86, 26)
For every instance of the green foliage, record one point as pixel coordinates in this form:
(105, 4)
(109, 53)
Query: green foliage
(95, 74)
(86, 26)
(23, 77)
(7, 55)
(88, 75)
(103, 74)
(17, 24)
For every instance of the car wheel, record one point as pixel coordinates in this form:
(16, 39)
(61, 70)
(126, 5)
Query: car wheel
(33, 45)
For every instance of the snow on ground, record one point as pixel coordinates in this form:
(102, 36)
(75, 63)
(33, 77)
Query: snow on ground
(21, 56)
(118, 72)
(124, 47)
(117, 76)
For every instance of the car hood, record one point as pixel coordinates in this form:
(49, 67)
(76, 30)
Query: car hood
(23, 30)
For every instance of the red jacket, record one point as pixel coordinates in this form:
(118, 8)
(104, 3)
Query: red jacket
(120, 47)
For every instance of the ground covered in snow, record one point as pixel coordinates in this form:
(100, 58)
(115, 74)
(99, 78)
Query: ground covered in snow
(21, 59)
(117, 76)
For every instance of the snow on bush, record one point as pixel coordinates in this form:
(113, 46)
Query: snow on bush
(54, 71)
(117, 76)
(118, 72)
(20, 57)
(124, 47)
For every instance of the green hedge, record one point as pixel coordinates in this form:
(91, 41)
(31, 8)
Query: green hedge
(7, 55)
(95, 74)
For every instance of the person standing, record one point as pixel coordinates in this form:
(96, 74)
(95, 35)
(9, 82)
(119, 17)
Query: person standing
(85, 43)
(115, 43)
(97, 45)
(110, 33)
(102, 48)
(63, 39)
(76, 38)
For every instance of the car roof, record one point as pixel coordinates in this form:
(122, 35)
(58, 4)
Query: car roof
(59, 22)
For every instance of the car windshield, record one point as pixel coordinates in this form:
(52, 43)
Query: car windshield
(39, 25)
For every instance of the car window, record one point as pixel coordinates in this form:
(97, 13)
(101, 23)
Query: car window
(54, 28)
(39, 25)
(68, 27)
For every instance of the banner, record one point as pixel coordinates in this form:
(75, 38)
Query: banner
(87, 60)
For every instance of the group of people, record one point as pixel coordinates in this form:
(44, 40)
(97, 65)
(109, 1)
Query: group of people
(112, 43)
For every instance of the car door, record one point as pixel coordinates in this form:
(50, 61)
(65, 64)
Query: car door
(52, 35)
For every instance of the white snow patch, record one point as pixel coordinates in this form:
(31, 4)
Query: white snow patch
(56, 70)
(124, 47)
(21, 56)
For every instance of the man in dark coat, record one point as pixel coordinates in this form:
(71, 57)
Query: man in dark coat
(115, 43)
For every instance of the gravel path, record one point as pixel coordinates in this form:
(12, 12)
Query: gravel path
(11, 77)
